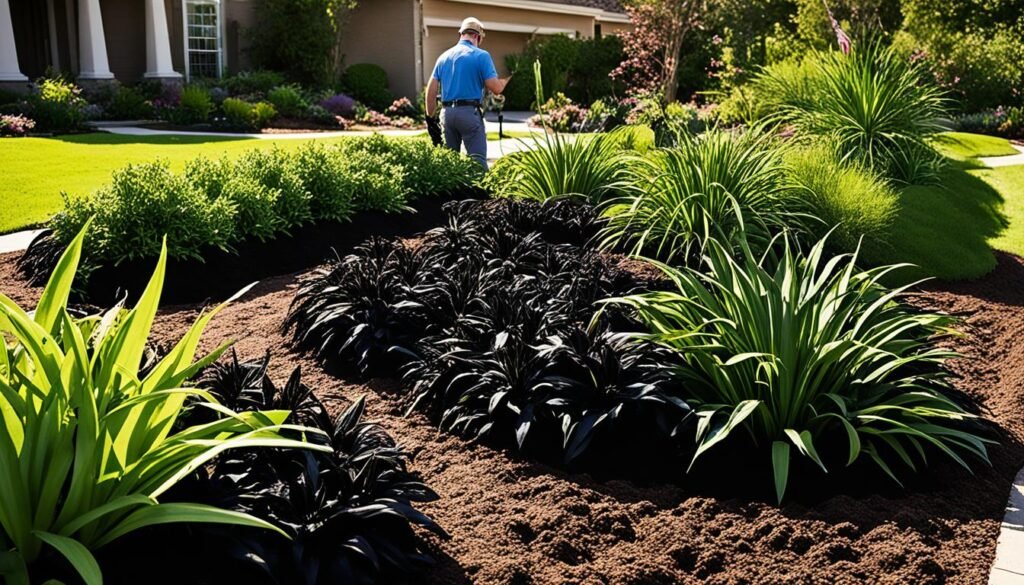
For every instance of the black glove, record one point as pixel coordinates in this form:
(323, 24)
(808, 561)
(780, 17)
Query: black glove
(434, 129)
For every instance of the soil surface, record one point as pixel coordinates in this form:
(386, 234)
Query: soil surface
(514, 521)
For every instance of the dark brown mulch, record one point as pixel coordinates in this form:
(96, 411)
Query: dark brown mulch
(517, 522)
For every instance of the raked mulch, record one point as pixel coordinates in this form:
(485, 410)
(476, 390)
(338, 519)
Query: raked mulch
(514, 521)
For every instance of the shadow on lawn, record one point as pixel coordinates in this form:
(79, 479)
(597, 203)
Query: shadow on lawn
(944, 228)
(106, 138)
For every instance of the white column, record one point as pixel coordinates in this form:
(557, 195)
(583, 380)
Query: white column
(9, 70)
(158, 42)
(92, 42)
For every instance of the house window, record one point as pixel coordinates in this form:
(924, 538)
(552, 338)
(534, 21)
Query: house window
(202, 38)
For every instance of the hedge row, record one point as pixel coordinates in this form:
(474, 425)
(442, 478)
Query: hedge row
(262, 194)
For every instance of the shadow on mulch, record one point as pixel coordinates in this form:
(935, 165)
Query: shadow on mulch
(221, 273)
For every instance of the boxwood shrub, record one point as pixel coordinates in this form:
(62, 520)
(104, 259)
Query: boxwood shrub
(141, 204)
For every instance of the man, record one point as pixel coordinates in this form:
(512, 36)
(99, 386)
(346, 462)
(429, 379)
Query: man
(462, 73)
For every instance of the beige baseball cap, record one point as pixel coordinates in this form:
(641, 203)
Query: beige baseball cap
(472, 24)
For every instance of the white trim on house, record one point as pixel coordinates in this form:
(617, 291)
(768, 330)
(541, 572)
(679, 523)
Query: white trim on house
(502, 27)
(219, 16)
(540, 7)
(613, 17)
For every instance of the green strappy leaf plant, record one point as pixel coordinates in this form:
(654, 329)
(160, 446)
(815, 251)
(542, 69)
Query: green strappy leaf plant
(805, 352)
(88, 441)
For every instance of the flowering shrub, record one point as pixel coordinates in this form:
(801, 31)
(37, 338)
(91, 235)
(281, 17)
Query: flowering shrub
(402, 107)
(373, 118)
(403, 122)
(57, 106)
(561, 115)
(15, 125)
(340, 105)
(1008, 122)
(320, 115)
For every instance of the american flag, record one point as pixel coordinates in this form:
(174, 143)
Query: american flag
(841, 36)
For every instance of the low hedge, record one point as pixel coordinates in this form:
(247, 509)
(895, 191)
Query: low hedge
(259, 196)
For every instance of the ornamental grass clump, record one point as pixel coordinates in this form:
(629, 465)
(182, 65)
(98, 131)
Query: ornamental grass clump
(591, 167)
(875, 104)
(808, 356)
(720, 185)
(852, 201)
(89, 442)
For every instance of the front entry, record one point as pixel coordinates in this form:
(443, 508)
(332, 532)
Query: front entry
(31, 36)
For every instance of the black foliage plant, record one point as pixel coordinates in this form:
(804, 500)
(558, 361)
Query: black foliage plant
(361, 308)
(350, 513)
(488, 321)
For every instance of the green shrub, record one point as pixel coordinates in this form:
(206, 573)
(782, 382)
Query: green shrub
(194, 107)
(579, 68)
(324, 175)
(850, 200)
(89, 443)
(262, 113)
(141, 205)
(557, 165)
(873, 103)
(635, 138)
(56, 106)
(128, 103)
(237, 112)
(717, 186)
(256, 206)
(428, 170)
(288, 100)
(298, 38)
(240, 114)
(254, 203)
(378, 182)
(259, 82)
(276, 170)
(368, 83)
(805, 353)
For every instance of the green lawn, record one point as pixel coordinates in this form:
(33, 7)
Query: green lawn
(36, 170)
(950, 228)
(947, 229)
(964, 146)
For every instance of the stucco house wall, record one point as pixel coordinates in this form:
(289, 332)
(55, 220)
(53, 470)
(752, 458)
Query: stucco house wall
(384, 32)
(405, 37)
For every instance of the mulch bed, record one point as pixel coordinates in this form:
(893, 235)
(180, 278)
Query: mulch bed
(514, 521)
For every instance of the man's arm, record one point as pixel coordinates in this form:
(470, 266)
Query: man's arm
(431, 105)
(496, 85)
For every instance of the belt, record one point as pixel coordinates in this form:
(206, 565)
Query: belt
(474, 103)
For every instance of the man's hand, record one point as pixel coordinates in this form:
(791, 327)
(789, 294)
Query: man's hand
(497, 85)
(430, 104)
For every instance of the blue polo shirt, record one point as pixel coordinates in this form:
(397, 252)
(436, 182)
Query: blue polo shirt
(462, 71)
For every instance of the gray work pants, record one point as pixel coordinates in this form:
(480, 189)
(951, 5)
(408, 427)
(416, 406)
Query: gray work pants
(464, 125)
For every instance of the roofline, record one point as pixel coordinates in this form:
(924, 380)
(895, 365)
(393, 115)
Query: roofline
(607, 16)
(502, 27)
(548, 7)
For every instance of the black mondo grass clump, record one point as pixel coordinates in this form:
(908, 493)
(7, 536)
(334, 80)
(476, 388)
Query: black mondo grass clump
(489, 320)
(351, 512)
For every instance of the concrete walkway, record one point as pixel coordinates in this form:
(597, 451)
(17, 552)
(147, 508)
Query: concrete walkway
(1005, 161)
(17, 241)
(1008, 568)
(515, 122)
